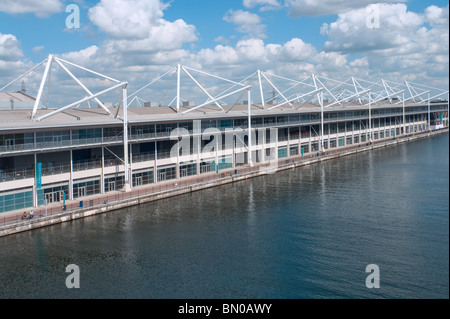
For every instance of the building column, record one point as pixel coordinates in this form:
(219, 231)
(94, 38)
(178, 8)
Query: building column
(197, 142)
(321, 121)
(217, 153)
(289, 142)
(300, 140)
(370, 119)
(231, 140)
(264, 142)
(177, 165)
(71, 176)
(250, 148)
(155, 173)
(429, 112)
(276, 143)
(35, 195)
(310, 138)
(127, 186)
(131, 165)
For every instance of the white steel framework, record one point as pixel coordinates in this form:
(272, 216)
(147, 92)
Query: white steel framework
(320, 91)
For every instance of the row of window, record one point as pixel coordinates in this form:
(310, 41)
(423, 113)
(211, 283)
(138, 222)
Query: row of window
(57, 193)
(117, 132)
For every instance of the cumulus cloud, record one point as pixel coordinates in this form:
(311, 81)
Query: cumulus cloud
(407, 45)
(264, 5)
(41, 8)
(127, 19)
(139, 40)
(246, 22)
(10, 48)
(11, 58)
(138, 47)
(350, 32)
(138, 27)
(299, 8)
(358, 63)
(437, 16)
(297, 50)
(252, 54)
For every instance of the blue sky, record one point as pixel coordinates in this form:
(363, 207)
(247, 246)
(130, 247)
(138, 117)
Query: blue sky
(232, 37)
(206, 15)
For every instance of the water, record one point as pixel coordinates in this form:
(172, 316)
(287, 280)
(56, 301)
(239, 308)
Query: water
(304, 233)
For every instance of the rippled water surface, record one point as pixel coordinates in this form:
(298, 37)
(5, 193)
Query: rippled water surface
(304, 233)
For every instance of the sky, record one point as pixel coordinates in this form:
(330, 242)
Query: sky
(137, 40)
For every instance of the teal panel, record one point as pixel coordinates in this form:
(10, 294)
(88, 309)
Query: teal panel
(225, 163)
(282, 153)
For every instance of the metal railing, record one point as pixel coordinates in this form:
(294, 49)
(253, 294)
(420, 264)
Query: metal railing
(143, 158)
(56, 169)
(60, 144)
(16, 174)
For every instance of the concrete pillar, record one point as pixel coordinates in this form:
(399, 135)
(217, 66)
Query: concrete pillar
(35, 195)
(197, 136)
(71, 176)
(102, 178)
(155, 173)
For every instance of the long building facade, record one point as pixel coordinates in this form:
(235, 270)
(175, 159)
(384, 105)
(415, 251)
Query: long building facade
(70, 158)
(71, 153)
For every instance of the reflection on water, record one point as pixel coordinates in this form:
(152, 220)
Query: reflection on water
(304, 233)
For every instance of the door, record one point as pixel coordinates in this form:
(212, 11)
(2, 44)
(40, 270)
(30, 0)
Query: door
(111, 186)
(49, 198)
(205, 169)
(9, 143)
(162, 176)
(139, 181)
(82, 191)
(54, 197)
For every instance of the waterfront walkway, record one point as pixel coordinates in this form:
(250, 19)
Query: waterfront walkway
(43, 216)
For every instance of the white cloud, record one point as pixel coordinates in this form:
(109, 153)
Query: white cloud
(359, 63)
(350, 32)
(41, 8)
(166, 36)
(331, 61)
(11, 55)
(251, 54)
(264, 4)
(220, 55)
(127, 19)
(82, 57)
(297, 50)
(437, 16)
(137, 26)
(10, 49)
(299, 8)
(246, 22)
(222, 39)
(38, 50)
(407, 45)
